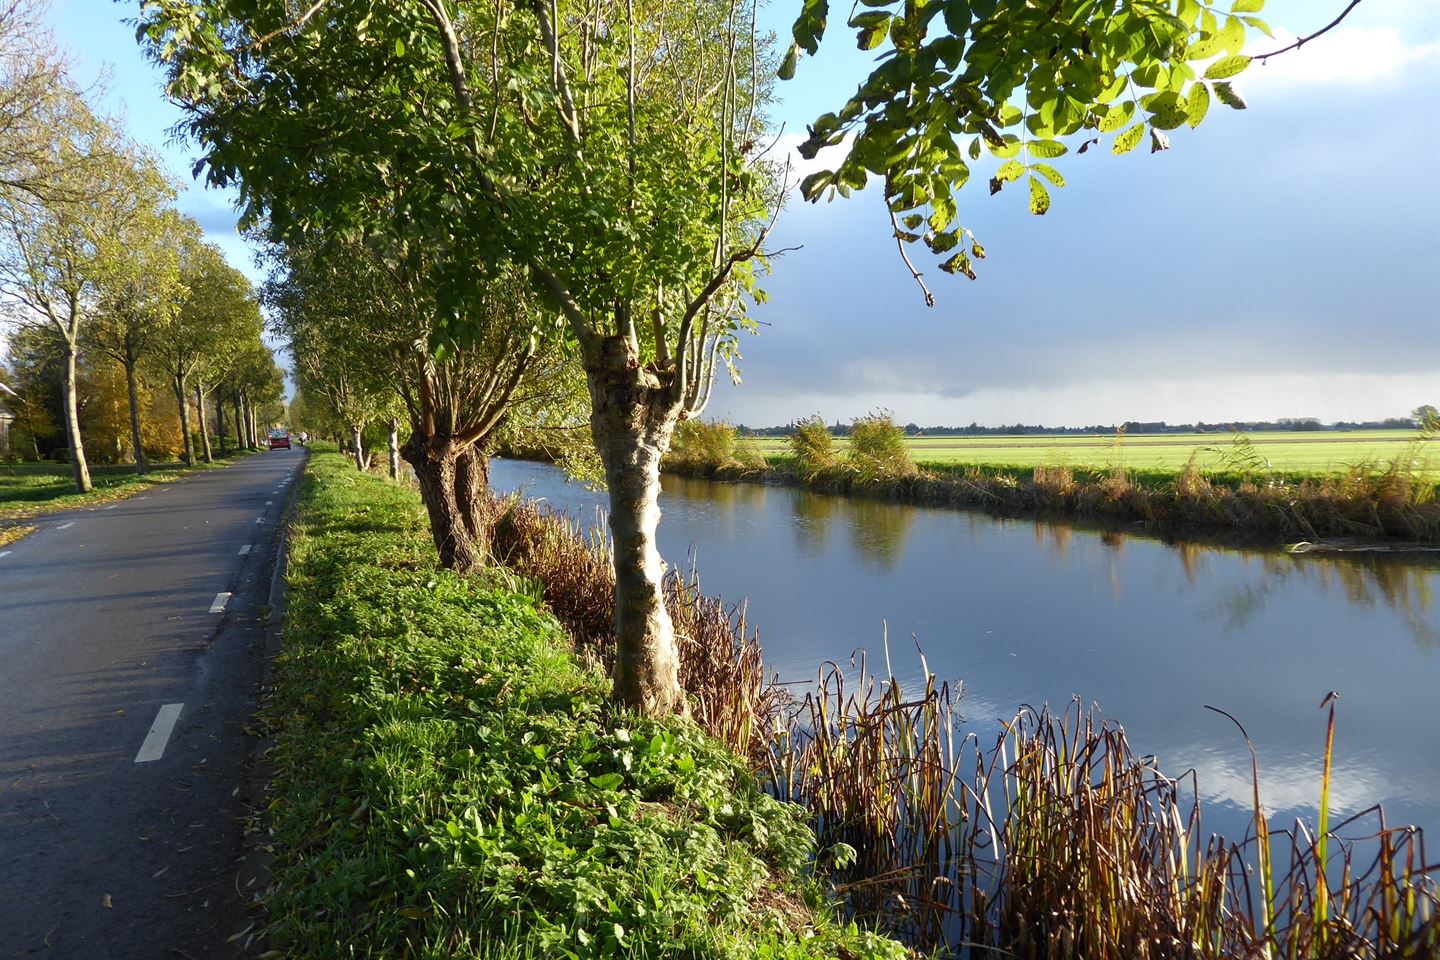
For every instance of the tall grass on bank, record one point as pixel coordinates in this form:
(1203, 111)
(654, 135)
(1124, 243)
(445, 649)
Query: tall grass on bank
(1237, 491)
(1051, 841)
(450, 781)
(702, 448)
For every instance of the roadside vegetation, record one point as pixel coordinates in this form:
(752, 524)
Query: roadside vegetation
(1231, 485)
(451, 780)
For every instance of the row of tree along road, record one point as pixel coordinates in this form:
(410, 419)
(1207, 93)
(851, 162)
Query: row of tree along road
(100, 273)
(529, 215)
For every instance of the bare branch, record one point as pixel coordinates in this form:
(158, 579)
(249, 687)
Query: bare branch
(900, 245)
(1262, 57)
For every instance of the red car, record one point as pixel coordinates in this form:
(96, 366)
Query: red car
(279, 438)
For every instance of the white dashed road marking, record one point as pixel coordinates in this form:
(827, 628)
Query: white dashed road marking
(66, 526)
(5, 553)
(259, 519)
(219, 605)
(112, 506)
(245, 549)
(154, 746)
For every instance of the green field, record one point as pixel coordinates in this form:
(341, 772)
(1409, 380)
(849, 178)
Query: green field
(1298, 452)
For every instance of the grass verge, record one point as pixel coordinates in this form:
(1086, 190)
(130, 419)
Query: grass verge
(31, 489)
(450, 781)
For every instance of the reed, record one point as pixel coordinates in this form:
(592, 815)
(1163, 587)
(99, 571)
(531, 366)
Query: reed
(1051, 841)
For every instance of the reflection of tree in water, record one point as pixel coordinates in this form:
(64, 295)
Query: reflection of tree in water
(814, 513)
(878, 530)
(1368, 580)
(1055, 537)
(741, 496)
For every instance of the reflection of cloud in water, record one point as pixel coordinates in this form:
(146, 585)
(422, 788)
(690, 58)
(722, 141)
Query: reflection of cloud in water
(1291, 786)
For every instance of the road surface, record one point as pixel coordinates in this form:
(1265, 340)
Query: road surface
(131, 651)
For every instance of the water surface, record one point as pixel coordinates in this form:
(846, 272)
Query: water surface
(1027, 611)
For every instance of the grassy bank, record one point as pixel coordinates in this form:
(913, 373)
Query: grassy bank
(450, 780)
(33, 489)
(1237, 491)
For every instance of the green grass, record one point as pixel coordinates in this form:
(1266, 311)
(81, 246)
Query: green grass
(1293, 453)
(450, 781)
(31, 489)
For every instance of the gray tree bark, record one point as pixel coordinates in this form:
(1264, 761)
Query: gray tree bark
(79, 468)
(394, 449)
(204, 427)
(633, 415)
(185, 420)
(220, 421)
(357, 447)
(133, 391)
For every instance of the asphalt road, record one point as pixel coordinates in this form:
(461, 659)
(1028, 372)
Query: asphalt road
(121, 814)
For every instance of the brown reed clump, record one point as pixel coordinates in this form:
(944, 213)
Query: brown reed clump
(1056, 842)
(720, 663)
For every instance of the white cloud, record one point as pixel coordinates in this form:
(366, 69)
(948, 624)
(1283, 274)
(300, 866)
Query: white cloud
(1349, 56)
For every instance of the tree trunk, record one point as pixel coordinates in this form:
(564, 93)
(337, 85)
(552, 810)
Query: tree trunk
(239, 422)
(134, 395)
(204, 427)
(79, 468)
(632, 418)
(394, 449)
(357, 447)
(435, 469)
(472, 481)
(220, 421)
(185, 421)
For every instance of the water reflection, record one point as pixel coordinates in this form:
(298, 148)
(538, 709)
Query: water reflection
(1034, 612)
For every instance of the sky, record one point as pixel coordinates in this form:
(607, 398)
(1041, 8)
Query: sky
(1283, 261)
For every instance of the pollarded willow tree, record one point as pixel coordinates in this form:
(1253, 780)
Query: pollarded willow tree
(1024, 82)
(609, 150)
(373, 320)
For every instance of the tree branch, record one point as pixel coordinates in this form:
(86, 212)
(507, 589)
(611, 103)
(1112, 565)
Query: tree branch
(1262, 57)
(900, 245)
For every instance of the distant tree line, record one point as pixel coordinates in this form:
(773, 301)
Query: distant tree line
(1129, 427)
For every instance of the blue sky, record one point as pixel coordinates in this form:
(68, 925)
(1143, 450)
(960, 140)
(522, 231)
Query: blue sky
(1281, 261)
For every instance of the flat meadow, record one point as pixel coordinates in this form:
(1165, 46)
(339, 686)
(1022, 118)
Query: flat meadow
(1298, 452)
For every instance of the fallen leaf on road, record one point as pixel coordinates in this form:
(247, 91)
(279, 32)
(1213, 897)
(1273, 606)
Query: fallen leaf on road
(106, 902)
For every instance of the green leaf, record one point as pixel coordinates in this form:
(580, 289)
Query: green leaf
(1010, 170)
(1229, 96)
(1247, 6)
(1039, 198)
(1232, 35)
(1009, 148)
(1049, 173)
(399, 47)
(787, 66)
(1260, 25)
(1226, 67)
(1197, 104)
(608, 781)
(975, 149)
(1118, 116)
(960, 263)
(1128, 140)
(1048, 148)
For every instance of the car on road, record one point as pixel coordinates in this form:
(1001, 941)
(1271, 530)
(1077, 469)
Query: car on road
(279, 439)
